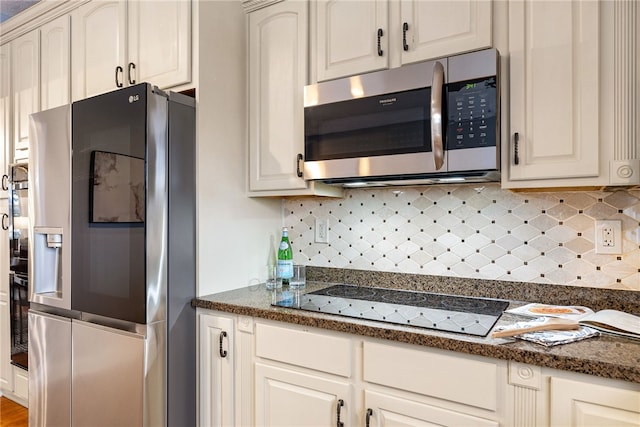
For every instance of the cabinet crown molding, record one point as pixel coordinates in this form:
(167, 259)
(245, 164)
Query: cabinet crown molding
(251, 5)
(36, 15)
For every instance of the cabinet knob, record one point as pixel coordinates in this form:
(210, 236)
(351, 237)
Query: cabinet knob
(405, 28)
(130, 67)
(380, 34)
(120, 71)
(223, 335)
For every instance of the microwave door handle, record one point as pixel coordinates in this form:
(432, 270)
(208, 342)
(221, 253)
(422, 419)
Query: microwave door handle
(437, 85)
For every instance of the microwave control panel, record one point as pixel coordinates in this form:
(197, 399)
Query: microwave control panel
(472, 111)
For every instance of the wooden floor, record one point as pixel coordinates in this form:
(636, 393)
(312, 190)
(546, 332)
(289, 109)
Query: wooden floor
(12, 414)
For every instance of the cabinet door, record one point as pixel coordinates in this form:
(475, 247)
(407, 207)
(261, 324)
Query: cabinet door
(388, 410)
(216, 371)
(579, 404)
(277, 75)
(6, 373)
(26, 88)
(159, 35)
(554, 74)
(5, 117)
(293, 398)
(436, 28)
(54, 63)
(98, 48)
(347, 37)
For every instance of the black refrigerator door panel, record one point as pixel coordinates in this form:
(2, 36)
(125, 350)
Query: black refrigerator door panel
(109, 194)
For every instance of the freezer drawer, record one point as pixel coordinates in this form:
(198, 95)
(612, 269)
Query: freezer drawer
(107, 376)
(50, 380)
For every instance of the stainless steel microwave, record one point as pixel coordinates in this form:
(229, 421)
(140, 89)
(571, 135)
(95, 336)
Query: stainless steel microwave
(433, 121)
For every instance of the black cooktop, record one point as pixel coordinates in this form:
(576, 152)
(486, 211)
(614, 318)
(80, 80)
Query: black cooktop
(490, 307)
(469, 315)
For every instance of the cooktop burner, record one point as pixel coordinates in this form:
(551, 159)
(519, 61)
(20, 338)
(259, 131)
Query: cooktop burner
(474, 316)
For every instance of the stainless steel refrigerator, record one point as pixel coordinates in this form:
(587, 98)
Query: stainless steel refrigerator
(112, 261)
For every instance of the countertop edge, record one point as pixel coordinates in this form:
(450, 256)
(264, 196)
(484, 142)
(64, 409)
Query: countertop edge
(497, 351)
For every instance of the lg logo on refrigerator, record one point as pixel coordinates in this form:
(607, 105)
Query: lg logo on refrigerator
(134, 98)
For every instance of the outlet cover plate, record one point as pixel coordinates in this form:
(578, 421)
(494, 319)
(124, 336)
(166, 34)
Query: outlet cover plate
(608, 236)
(322, 230)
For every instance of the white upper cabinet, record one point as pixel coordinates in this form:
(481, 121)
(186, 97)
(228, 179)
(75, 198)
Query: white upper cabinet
(436, 28)
(25, 87)
(55, 58)
(354, 37)
(554, 57)
(159, 42)
(5, 116)
(277, 76)
(98, 49)
(120, 43)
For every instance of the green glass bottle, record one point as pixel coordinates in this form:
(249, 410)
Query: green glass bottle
(285, 259)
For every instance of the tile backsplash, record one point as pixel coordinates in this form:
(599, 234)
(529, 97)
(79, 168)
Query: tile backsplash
(472, 230)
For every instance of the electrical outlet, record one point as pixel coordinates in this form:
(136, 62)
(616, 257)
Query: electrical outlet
(322, 230)
(609, 237)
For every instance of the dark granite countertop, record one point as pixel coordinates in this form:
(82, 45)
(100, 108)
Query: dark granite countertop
(605, 356)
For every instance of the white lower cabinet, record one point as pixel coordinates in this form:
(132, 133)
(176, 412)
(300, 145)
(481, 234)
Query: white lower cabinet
(21, 385)
(306, 377)
(216, 364)
(384, 409)
(430, 387)
(294, 397)
(581, 404)
(280, 374)
(303, 377)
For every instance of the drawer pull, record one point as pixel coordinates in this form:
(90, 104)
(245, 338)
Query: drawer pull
(380, 34)
(516, 139)
(5, 217)
(5, 182)
(368, 417)
(223, 335)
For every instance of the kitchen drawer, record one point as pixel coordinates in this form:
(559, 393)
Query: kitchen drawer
(456, 378)
(309, 349)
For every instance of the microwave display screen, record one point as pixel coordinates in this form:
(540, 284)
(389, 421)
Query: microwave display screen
(396, 123)
(472, 113)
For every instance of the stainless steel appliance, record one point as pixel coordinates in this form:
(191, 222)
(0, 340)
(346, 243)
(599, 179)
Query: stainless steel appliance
(18, 226)
(434, 121)
(451, 313)
(112, 261)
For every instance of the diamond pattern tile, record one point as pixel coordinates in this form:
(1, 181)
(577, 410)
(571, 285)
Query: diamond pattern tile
(475, 230)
